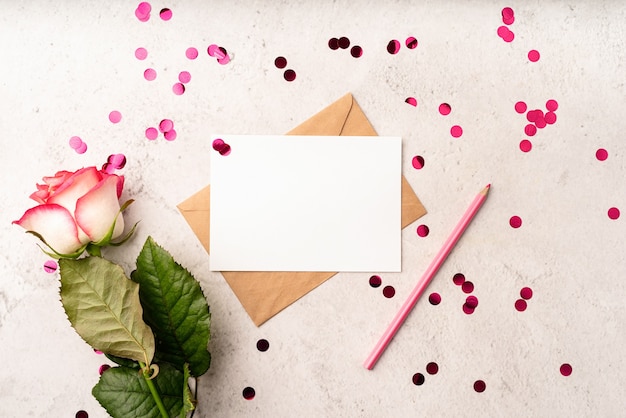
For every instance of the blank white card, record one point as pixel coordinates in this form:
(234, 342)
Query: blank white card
(306, 203)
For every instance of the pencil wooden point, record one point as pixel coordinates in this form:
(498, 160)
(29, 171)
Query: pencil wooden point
(486, 189)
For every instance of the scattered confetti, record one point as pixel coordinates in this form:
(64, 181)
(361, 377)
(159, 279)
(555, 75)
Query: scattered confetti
(220, 146)
(506, 34)
(550, 118)
(81, 149)
(218, 53)
(50, 266)
(97, 351)
(165, 14)
(432, 368)
(552, 105)
(471, 302)
(520, 305)
(103, 369)
(418, 379)
(166, 125)
(356, 51)
(289, 75)
(375, 281)
(533, 55)
(333, 43)
(422, 231)
(150, 74)
(262, 345)
(565, 369)
(248, 393)
(525, 145)
(343, 42)
(520, 107)
(115, 116)
(393, 47)
(280, 62)
(191, 53)
(456, 131)
(114, 162)
(458, 279)
(184, 77)
(141, 54)
(418, 162)
(479, 386)
(411, 100)
(467, 287)
(515, 221)
(508, 16)
(178, 89)
(468, 309)
(526, 293)
(152, 133)
(445, 109)
(389, 292)
(530, 129)
(170, 135)
(75, 142)
(602, 154)
(82, 414)
(143, 11)
(411, 42)
(613, 213)
(434, 299)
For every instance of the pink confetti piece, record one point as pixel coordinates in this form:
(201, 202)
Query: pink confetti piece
(223, 61)
(165, 14)
(150, 74)
(50, 266)
(170, 135)
(423, 231)
(602, 154)
(81, 149)
(434, 298)
(75, 142)
(280, 62)
(212, 49)
(471, 302)
(248, 393)
(184, 77)
(411, 42)
(289, 75)
(566, 369)
(521, 305)
(613, 213)
(445, 109)
(98, 352)
(552, 105)
(418, 162)
(115, 116)
(520, 107)
(166, 125)
(467, 287)
(530, 130)
(508, 16)
(178, 89)
(141, 53)
(550, 118)
(103, 369)
(143, 11)
(117, 160)
(480, 386)
(506, 34)
(525, 145)
(225, 150)
(356, 51)
(533, 55)
(393, 47)
(389, 292)
(262, 345)
(191, 53)
(375, 281)
(152, 133)
(526, 293)
(468, 310)
(411, 100)
(456, 131)
(515, 221)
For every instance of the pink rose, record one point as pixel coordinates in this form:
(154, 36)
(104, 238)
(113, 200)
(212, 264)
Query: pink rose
(76, 209)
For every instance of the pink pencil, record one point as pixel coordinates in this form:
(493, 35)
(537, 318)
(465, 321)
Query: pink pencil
(426, 278)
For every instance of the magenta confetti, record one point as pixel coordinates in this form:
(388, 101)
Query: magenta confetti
(393, 47)
(418, 162)
(223, 61)
(103, 369)
(343, 42)
(434, 298)
(468, 309)
(540, 123)
(520, 107)
(515, 221)
(165, 14)
(530, 129)
(178, 89)
(445, 109)
(458, 279)
(184, 77)
(423, 231)
(508, 16)
(170, 135)
(411, 100)
(212, 50)
(471, 301)
(432, 368)
(456, 131)
(389, 292)
(566, 369)
(220, 53)
(418, 379)
(550, 118)
(82, 148)
(262, 345)
(333, 43)
(117, 160)
(479, 386)
(218, 144)
(115, 116)
(526, 293)
(141, 54)
(525, 145)
(289, 75)
(82, 414)
(411, 42)
(521, 305)
(467, 287)
(143, 11)
(166, 125)
(75, 142)
(533, 55)
(613, 213)
(280, 62)
(150, 74)
(50, 266)
(506, 34)
(191, 53)
(356, 51)
(552, 105)
(602, 154)
(248, 393)
(225, 150)
(375, 281)
(152, 133)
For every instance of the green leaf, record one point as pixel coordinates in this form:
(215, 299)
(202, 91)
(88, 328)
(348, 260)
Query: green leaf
(124, 393)
(103, 306)
(123, 361)
(175, 308)
(189, 402)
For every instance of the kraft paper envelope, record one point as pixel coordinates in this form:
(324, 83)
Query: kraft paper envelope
(264, 294)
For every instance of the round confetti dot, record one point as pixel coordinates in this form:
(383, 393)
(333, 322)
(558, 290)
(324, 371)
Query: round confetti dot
(525, 145)
(479, 386)
(356, 51)
(170, 135)
(218, 144)
(75, 142)
(520, 107)
(141, 54)
(223, 61)
(526, 293)
(343, 42)
(422, 231)
(458, 279)
(418, 379)
(191, 53)
(506, 34)
(225, 150)
(184, 77)
(508, 20)
(530, 129)
(432, 368)
(117, 160)
(165, 14)
(280, 62)
(507, 12)
(82, 414)
(566, 369)
(550, 118)
(289, 75)
(533, 55)
(166, 125)
(411, 42)
(97, 351)
(143, 11)
(540, 123)
(552, 105)
(389, 292)
(613, 213)
(521, 305)
(434, 299)
(212, 50)
(50, 266)
(178, 88)
(115, 116)
(152, 133)
(602, 154)
(467, 287)
(445, 109)
(149, 74)
(333, 43)
(393, 47)
(515, 221)
(418, 162)
(81, 149)
(375, 281)
(456, 131)
(248, 393)
(262, 345)
(471, 302)
(411, 100)
(103, 369)
(468, 309)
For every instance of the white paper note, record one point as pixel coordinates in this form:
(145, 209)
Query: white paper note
(306, 203)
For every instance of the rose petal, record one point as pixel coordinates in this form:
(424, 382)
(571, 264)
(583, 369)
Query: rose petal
(55, 224)
(96, 210)
(75, 187)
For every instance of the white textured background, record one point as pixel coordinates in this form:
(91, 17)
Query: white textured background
(65, 65)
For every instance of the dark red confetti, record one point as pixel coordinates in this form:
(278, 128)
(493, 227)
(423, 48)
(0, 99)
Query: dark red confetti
(248, 393)
(411, 42)
(290, 75)
(418, 379)
(389, 292)
(432, 368)
(565, 369)
(103, 369)
(280, 62)
(82, 414)
(344, 42)
(423, 231)
(333, 43)
(520, 305)
(479, 386)
(471, 302)
(356, 51)
(393, 47)
(467, 287)
(458, 279)
(262, 345)
(434, 298)
(375, 281)
(526, 293)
